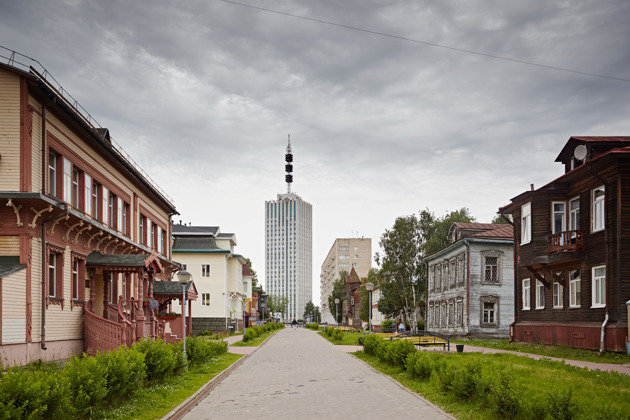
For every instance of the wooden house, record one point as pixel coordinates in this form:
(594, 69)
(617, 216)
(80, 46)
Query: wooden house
(572, 237)
(470, 290)
(83, 231)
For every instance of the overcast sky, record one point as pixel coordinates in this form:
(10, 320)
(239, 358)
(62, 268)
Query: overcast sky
(383, 124)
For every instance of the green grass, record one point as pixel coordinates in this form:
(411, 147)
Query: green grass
(598, 395)
(256, 341)
(549, 351)
(158, 400)
(348, 338)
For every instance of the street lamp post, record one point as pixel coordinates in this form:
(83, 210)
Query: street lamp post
(337, 310)
(184, 277)
(370, 287)
(244, 326)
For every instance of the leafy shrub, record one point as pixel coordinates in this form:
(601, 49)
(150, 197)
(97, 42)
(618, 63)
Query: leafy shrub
(398, 351)
(420, 325)
(199, 351)
(125, 371)
(338, 335)
(562, 405)
(505, 398)
(161, 359)
(312, 326)
(87, 380)
(387, 323)
(422, 364)
(329, 331)
(466, 379)
(370, 344)
(34, 393)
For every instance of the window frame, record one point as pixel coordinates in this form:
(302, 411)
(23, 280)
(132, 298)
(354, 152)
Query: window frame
(558, 294)
(598, 210)
(52, 173)
(205, 299)
(499, 264)
(540, 295)
(574, 214)
(598, 287)
(489, 300)
(526, 297)
(575, 293)
(57, 273)
(526, 219)
(563, 217)
(205, 270)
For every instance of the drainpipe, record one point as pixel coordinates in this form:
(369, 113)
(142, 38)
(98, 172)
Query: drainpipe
(515, 275)
(467, 244)
(606, 247)
(44, 271)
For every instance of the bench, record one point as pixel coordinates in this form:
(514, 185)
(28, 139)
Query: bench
(424, 339)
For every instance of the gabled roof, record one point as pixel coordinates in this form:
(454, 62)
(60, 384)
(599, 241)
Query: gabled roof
(170, 287)
(476, 226)
(96, 259)
(246, 272)
(197, 244)
(179, 229)
(499, 232)
(610, 141)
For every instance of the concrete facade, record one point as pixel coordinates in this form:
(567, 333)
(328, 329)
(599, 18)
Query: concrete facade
(344, 255)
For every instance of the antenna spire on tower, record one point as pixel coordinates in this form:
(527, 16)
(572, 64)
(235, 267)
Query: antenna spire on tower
(288, 157)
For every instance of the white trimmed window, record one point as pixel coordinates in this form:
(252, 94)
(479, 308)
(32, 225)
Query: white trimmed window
(95, 200)
(52, 274)
(205, 270)
(67, 181)
(205, 299)
(491, 265)
(526, 223)
(75, 279)
(575, 288)
(489, 313)
(75, 188)
(559, 221)
(52, 174)
(598, 214)
(558, 295)
(87, 180)
(574, 214)
(599, 287)
(540, 295)
(119, 214)
(526, 295)
(105, 206)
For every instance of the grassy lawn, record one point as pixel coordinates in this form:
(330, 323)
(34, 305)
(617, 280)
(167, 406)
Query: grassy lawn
(536, 385)
(550, 351)
(158, 400)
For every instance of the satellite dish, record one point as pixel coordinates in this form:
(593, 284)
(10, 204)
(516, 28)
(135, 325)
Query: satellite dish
(580, 152)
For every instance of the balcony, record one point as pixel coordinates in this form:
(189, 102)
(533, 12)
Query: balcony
(568, 241)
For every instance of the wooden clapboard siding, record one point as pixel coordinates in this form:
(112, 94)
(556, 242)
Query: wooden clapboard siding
(9, 131)
(14, 308)
(36, 149)
(10, 245)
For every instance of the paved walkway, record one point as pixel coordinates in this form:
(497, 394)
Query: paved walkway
(299, 375)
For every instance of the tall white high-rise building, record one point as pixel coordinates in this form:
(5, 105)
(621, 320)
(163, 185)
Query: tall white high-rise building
(289, 247)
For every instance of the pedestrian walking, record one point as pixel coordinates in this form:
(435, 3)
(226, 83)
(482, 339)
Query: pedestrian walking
(294, 324)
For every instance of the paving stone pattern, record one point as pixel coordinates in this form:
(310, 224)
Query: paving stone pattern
(299, 375)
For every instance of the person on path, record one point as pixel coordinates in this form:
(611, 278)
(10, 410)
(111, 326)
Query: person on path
(294, 324)
(401, 327)
(394, 327)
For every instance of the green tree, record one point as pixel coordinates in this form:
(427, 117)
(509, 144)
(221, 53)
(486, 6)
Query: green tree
(434, 231)
(364, 311)
(338, 292)
(277, 304)
(500, 220)
(308, 309)
(252, 272)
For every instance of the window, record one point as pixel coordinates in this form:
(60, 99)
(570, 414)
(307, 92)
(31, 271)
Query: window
(598, 214)
(558, 294)
(113, 288)
(453, 272)
(343, 257)
(356, 256)
(574, 214)
(105, 206)
(356, 248)
(451, 312)
(460, 312)
(344, 248)
(75, 279)
(344, 265)
(52, 174)
(119, 214)
(491, 269)
(462, 269)
(125, 213)
(526, 294)
(526, 226)
(75, 188)
(355, 264)
(95, 200)
(490, 311)
(575, 287)
(55, 274)
(163, 250)
(438, 278)
(110, 210)
(540, 295)
(143, 222)
(151, 232)
(127, 286)
(559, 217)
(205, 270)
(87, 181)
(599, 287)
(159, 239)
(205, 299)
(67, 180)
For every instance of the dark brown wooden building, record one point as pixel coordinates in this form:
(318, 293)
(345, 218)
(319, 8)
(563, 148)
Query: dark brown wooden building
(572, 247)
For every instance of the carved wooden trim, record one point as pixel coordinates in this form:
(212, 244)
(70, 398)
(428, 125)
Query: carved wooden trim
(76, 238)
(16, 210)
(71, 228)
(119, 245)
(98, 244)
(38, 214)
(556, 277)
(115, 240)
(52, 227)
(99, 233)
(538, 276)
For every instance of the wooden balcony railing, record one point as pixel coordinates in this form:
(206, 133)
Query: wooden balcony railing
(568, 241)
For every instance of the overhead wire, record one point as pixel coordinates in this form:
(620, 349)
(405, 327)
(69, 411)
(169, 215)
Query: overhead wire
(432, 44)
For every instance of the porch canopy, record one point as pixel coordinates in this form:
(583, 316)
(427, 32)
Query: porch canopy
(169, 290)
(124, 262)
